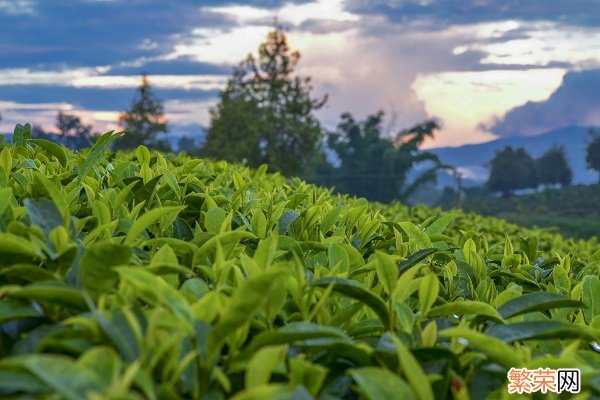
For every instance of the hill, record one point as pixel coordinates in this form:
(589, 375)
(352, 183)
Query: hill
(473, 158)
(572, 210)
(143, 275)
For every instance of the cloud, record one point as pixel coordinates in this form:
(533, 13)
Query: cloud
(91, 33)
(93, 98)
(490, 93)
(444, 13)
(169, 66)
(575, 102)
(17, 7)
(366, 54)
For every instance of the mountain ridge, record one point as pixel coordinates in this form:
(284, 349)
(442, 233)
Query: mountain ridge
(471, 159)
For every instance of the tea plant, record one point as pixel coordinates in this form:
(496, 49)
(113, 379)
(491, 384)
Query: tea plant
(142, 275)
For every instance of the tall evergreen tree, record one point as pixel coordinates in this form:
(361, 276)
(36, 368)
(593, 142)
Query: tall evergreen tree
(144, 121)
(266, 114)
(553, 167)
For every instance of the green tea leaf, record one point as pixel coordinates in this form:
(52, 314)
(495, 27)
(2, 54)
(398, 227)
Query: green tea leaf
(12, 309)
(293, 332)
(44, 214)
(359, 293)
(97, 266)
(536, 330)
(387, 272)
(52, 148)
(412, 371)
(149, 218)
(246, 300)
(286, 220)
(378, 383)
(263, 363)
(591, 296)
(428, 293)
(415, 258)
(59, 373)
(52, 292)
(539, 301)
(101, 145)
(21, 135)
(466, 307)
(496, 349)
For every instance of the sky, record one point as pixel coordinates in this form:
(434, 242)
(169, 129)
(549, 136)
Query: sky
(484, 68)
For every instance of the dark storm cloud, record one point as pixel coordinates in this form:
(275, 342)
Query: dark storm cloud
(575, 102)
(179, 66)
(450, 12)
(90, 33)
(92, 98)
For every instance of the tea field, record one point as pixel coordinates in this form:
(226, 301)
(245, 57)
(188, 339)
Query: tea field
(142, 275)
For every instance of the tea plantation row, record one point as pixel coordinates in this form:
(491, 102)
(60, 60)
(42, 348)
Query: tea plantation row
(153, 276)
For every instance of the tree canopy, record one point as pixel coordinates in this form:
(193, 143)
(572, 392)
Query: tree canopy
(145, 119)
(266, 113)
(553, 167)
(71, 125)
(592, 156)
(375, 166)
(511, 170)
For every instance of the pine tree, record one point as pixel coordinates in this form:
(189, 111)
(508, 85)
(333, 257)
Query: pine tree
(144, 121)
(266, 114)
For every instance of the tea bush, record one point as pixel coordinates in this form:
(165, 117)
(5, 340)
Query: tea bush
(143, 275)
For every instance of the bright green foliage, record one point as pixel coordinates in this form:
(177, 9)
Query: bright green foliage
(150, 276)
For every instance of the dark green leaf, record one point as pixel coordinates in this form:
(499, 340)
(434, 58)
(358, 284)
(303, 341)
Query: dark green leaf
(415, 258)
(358, 292)
(286, 220)
(12, 309)
(539, 301)
(44, 214)
(535, 330)
(378, 383)
(97, 266)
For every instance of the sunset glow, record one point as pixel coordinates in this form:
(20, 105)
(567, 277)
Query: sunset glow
(414, 60)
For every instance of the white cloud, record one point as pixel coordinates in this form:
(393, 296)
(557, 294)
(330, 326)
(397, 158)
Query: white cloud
(220, 46)
(291, 13)
(189, 112)
(542, 44)
(94, 78)
(17, 7)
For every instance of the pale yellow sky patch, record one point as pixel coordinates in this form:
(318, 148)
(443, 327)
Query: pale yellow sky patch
(463, 100)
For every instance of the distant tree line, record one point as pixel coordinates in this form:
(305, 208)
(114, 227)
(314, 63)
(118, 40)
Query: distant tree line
(514, 169)
(267, 115)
